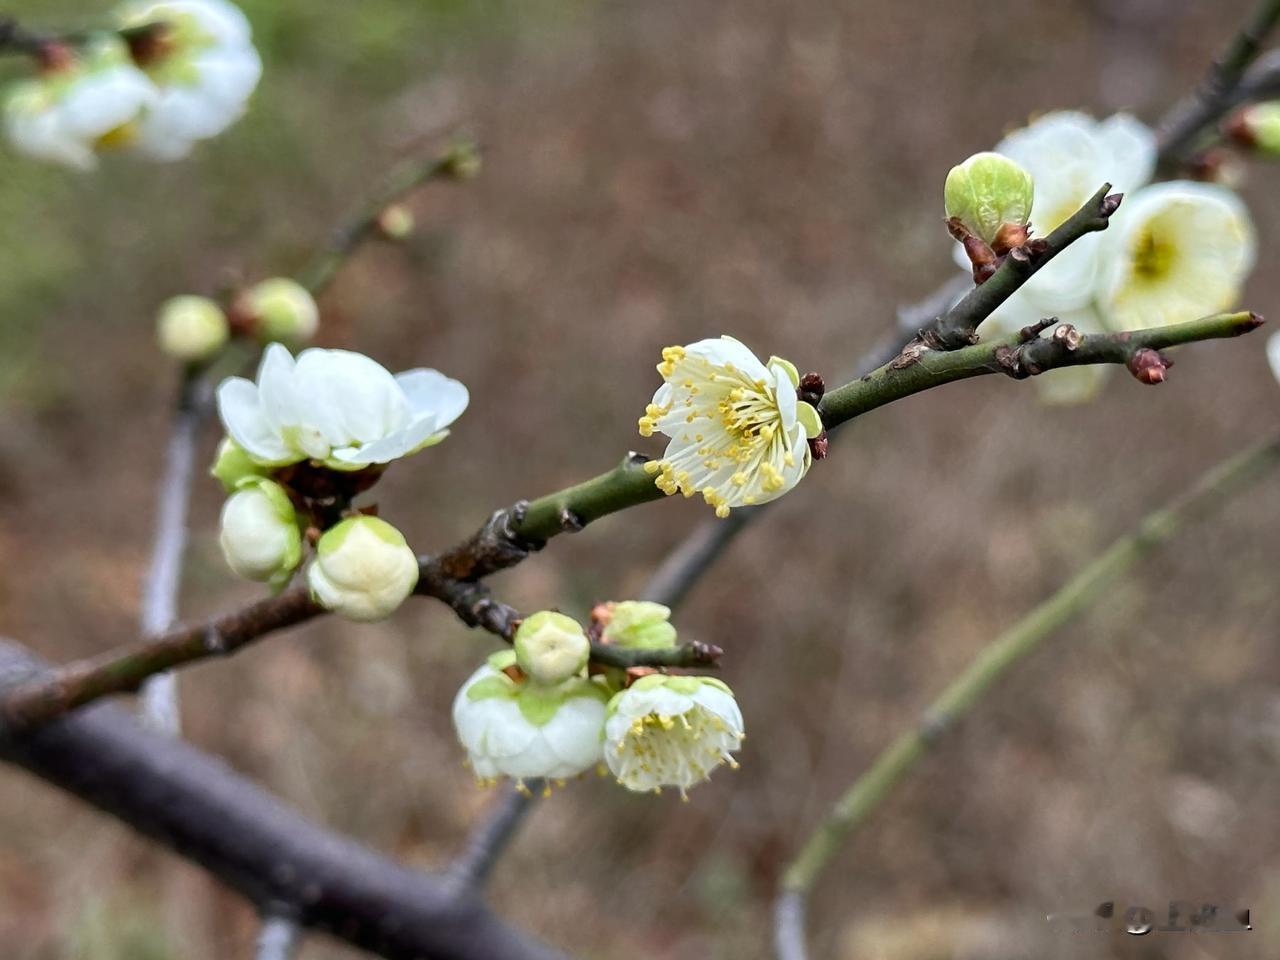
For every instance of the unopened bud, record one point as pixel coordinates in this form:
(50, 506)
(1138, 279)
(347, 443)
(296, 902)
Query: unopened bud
(991, 196)
(259, 533)
(551, 647)
(283, 310)
(191, 328)
(463, 160)
(363, 569)
(640, 624)
(1258, 126)
(396, 222)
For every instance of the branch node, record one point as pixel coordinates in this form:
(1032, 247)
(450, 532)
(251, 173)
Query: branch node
(214, 641)
(1033, 331)
(1068, 337)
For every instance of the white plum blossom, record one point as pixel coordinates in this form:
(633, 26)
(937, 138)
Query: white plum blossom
(82, 102)
(739, 435)
(338, 408)
(525, 729)
(1175, 251)
(204, 67)
(1273, 354)
(259, 533)
(363, 569)
(671, 731)
(191, 328)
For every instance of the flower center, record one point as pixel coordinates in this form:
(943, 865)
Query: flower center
(1152, 257)
(117, 138)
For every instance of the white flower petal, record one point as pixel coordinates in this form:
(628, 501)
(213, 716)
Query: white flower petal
(248, 425)
(430, 391)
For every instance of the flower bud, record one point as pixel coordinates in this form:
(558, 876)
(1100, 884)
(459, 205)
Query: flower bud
(463, 160)
(551, 647)
(1258, 126)
(641, 625)
(232, 466)
(363, 569)
(396, 222)
(191, 328)
(283, 309)
(989, 192)
(259, 533)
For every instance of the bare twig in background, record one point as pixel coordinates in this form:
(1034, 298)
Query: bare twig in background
(1221, 89)
(195, 805)
(458, 162)
(278, 939)
(1212, 491)
(489, 840)
(163, 579)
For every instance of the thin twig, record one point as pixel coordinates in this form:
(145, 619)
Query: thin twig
(1183, 126)
(490, 839)
(163, 579)
(456, 163)
(278, 939)
(1212, 491)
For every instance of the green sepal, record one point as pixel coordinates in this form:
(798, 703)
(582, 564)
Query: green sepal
(487, 688)
(502, 659)
(808, 417)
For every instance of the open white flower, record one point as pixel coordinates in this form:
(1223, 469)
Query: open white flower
(93, 101)
(204, 66)
(337, 407)
(363, 569)
(738, 434)
(525, 729)
(1176, 251)
(671, 731)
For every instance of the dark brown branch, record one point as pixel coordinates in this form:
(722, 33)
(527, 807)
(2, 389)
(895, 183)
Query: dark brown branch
(283, 863)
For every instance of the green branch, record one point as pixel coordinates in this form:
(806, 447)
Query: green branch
(458, 162)
(1214, 489)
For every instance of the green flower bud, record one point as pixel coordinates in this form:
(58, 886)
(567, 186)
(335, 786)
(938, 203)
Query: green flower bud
(640, 624)
(363, 569)
(1258, 126)
(987, 192)
(396, 222)
(259, 533)
(233, 467)
(283, 308)
(551, 647)
(191, 328)
(463, 160)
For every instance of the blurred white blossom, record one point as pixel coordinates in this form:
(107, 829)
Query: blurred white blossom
(204, 67)
(87, 100)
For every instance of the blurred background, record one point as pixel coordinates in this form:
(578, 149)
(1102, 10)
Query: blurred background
(654, 173)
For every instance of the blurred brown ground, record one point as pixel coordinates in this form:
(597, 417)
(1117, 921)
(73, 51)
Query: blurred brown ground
(657, 172)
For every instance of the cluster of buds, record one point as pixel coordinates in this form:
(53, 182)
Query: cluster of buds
(303, 441)
(174, 73)
(194, 329)
(542, 711)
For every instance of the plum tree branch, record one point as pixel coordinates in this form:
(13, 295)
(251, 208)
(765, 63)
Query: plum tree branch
(1225, 86)
(1211, 491)
(457, 162)
(286, 865)
(499, 543)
